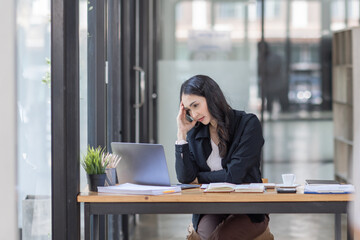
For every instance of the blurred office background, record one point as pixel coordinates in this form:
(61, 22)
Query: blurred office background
(218, 38)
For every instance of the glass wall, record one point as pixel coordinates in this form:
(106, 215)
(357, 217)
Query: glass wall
(33, 115)
(215, 38)
(221, 39)
(83, 37)
(298, 119)
(83, 46)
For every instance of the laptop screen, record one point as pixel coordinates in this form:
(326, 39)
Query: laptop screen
(141, 163)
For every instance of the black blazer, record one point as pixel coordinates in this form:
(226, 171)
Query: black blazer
(240, 165)
(242, 161)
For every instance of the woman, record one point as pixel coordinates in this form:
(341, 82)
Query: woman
(219, 145)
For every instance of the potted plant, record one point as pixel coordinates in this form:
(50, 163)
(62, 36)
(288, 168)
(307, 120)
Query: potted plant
(94, 167)
(112, 160)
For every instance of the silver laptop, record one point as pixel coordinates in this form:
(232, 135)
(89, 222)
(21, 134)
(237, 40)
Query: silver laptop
(141, 163)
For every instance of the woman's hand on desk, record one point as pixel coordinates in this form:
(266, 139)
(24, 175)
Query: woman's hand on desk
(183, 124)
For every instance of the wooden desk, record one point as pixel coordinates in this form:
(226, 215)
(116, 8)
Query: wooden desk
(196, 201)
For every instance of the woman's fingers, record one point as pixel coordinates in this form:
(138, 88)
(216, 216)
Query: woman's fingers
(184, 125)
(182, 112)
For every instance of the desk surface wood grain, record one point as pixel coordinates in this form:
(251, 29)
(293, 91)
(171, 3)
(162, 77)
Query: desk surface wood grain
(197, 195)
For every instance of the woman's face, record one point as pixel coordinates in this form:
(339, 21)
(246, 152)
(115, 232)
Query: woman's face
(197, 108)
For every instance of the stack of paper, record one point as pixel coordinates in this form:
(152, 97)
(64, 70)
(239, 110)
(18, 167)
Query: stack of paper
(329, 188)
(136, 189)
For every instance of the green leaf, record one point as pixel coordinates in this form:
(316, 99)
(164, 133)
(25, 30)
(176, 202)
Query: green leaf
(91, 161)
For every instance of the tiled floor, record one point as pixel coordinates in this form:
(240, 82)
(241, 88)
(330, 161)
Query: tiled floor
(300, 147)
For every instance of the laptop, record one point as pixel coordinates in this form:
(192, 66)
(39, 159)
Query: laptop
(141, 163)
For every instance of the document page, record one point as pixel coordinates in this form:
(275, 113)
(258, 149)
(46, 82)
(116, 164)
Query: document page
(329, 188)
(137, 189)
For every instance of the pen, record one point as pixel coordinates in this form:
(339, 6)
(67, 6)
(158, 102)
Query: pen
(169, 191)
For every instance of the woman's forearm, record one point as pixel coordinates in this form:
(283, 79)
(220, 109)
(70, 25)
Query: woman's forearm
(214, 176)
(181, 136)
(186, 169)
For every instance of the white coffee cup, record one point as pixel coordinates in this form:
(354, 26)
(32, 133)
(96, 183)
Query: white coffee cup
(288, 179)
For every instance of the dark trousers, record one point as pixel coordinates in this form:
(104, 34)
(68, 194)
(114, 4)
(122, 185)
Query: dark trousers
(234, 227)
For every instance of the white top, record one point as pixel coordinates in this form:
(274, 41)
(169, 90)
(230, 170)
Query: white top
(214, 160)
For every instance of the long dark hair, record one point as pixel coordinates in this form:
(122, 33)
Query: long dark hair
(218, 107)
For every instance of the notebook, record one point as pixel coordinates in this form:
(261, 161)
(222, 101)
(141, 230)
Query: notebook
(141, 163)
